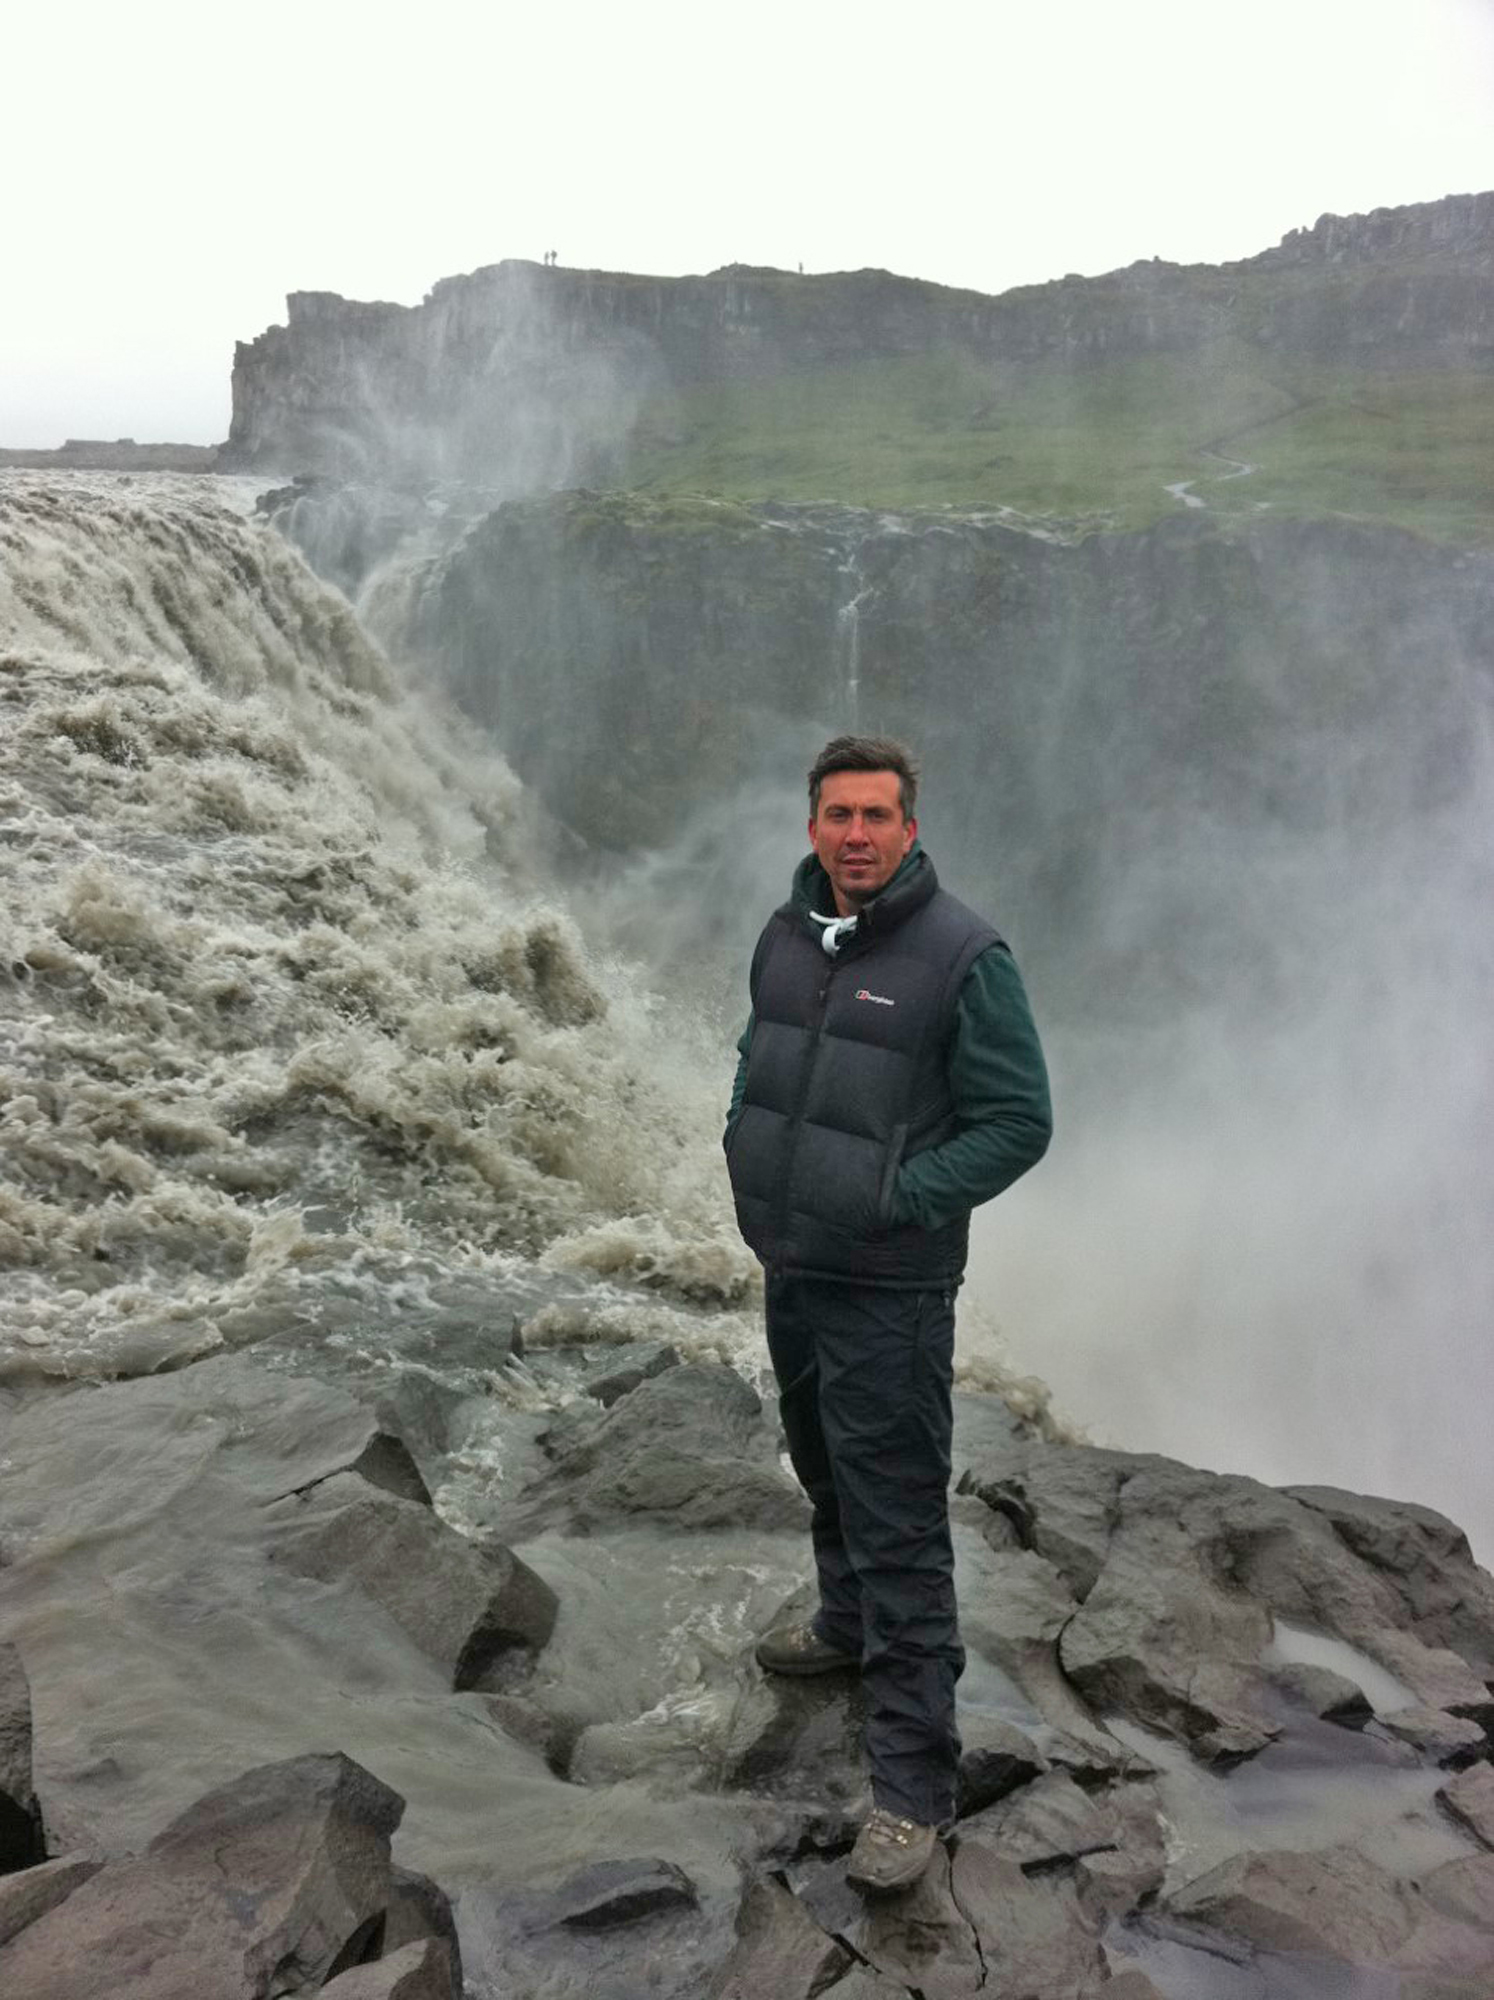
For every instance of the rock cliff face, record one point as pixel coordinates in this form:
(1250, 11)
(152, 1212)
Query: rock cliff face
(1087, 706)
(531, 377)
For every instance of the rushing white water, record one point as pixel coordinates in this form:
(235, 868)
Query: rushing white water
(282, 1015)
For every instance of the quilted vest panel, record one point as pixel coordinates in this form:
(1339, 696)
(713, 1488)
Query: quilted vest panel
(846, 1078)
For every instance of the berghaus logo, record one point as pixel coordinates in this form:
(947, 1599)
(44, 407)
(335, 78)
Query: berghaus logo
(877, 999)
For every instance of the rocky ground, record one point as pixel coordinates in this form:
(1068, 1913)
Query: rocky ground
(258, 1697)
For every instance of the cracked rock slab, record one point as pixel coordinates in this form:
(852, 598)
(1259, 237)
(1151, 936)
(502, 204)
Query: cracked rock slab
(780, 1950)
(1032, 1934)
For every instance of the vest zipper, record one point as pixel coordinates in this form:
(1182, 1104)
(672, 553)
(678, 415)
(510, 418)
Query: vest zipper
(801, 1098)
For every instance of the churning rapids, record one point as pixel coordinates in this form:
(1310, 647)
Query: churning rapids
(291, 1038)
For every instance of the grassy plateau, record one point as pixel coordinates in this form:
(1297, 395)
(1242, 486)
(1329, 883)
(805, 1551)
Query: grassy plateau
(1109, 446)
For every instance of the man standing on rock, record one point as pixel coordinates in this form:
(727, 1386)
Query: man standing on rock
(890, 1080)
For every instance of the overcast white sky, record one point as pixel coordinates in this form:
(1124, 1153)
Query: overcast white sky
(175, 167)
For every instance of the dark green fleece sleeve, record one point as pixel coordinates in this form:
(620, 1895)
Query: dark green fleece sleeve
(999, 1083)
(739, 1082)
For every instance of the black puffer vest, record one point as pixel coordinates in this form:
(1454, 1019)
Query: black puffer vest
(846, 1078)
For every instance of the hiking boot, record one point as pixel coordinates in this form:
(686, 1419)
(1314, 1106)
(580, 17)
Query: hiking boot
(799, 1649)
(890, 1853)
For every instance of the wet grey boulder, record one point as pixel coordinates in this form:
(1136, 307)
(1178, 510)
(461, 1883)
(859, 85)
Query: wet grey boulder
(227, 1422)
(923, 1938)
(1425, 1559)
(1446, 1739)
(420, 1970)
(782, 1953)
(420, 1908)
(259, 1888)
(1048, 1820)
(1335, 1903)
(620, 1892)
(21, 1842)
(31, 1892)
(1462, 1893)
(628, 1366)
(1109, 1842)
(1470, 1798)
(1014, 1605)
(1330, 1696)
(996, 1758)
(689, 1447)
(468, 1607)
(1161, 1641)
(1179, 1574)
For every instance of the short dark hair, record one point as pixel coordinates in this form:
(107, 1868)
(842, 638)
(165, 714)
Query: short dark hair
(866, 753)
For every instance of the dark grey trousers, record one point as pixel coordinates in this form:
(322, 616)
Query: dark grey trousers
(864, 1378)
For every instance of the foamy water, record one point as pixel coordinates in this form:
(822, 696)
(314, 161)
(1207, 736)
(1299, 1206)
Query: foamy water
(284, 1016)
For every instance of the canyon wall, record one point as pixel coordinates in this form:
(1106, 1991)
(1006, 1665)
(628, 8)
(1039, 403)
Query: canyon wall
(530, 377)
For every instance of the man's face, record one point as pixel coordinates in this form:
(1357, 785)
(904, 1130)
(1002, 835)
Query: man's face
(859, 834)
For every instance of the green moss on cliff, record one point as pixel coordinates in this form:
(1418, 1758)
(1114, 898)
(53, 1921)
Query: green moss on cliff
(1097, 447)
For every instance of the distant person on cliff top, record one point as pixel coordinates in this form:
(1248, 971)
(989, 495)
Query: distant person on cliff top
(890, 1081)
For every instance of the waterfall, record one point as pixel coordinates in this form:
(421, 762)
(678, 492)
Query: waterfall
(847, 657)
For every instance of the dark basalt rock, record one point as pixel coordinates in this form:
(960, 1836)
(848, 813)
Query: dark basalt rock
(31, 1892)
(1180, 1574)
(629, 1367)
(1052, 1821)
(1342, 1909)
(1331, 1697)
(419, 1908)
(689, 1446)
(1470, 1798)
(1425, 1559)
(996, 1758)
(780, 1950)
(261, 1887)
(420, 1970)
(1450, 1740)
(1103, 1577)
(20, 1816)
(620, 1892)
(466, 1606)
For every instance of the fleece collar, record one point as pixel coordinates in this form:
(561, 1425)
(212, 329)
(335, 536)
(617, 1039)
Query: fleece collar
(910, 888)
